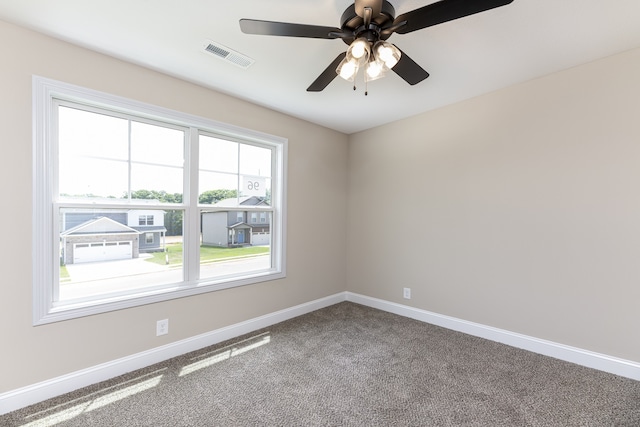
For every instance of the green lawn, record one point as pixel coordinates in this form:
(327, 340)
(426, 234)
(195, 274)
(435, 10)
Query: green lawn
(207, 253)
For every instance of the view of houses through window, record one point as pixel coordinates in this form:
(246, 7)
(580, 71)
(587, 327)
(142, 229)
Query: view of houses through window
(144, 206)
(108, 161)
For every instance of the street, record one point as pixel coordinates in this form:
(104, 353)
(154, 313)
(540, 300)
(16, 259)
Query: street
(90, 279)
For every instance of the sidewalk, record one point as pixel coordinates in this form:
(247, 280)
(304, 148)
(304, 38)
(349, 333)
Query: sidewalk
(85, 272)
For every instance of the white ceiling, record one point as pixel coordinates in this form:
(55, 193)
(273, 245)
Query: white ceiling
(466, 57)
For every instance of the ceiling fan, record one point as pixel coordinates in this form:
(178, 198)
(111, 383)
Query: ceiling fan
(365, 26)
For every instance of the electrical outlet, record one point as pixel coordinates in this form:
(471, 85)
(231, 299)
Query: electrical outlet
(162, 327)
(406, 293)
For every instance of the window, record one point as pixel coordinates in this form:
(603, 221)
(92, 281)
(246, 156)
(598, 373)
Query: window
(263, 217)
(145, 220)
(98, 158)
(254, 217)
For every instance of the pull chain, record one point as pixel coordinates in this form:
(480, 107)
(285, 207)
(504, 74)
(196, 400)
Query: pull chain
(366, 86)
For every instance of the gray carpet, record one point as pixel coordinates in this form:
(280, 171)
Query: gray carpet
(349, 365)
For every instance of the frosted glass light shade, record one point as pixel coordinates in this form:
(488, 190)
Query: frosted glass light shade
(359, 50)
(348, 69)
(387, 53)
(374, 70)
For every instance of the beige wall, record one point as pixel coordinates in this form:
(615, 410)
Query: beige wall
(519, 209)
(316, 177)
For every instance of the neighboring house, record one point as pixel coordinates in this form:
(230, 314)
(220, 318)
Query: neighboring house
(150, 223)
(236, 227)
(102, 236)
(99, 239)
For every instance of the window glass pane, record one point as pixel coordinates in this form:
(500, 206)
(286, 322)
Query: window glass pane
(156, 144)
(88, 134)
(84, 177)
(106, 251)
(93, 150)
(218, 175)
(215, 187)
(218, 155)
(157, 155)
(156, 179)
(94, 157)
(230, 247)
(255, 160)
(229, 244)
(255, 171)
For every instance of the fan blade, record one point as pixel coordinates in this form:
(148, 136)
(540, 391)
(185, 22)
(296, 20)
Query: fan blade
(443, 11)
(270, 28)
(411, 72)
(374, 5)
(327, 75)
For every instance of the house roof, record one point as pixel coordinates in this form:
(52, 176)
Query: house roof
(102, 225)
(148, 228)
(239, 225)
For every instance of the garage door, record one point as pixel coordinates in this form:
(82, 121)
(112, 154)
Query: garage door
(103, 251)
(260, 239)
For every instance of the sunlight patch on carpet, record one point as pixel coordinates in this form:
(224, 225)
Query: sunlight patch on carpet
(226, 353)
(95, 403)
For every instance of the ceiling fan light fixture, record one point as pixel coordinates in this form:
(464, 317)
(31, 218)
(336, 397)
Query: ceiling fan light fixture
(374, 21)
(387, 53)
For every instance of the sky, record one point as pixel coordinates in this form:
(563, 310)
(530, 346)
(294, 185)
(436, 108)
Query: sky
(99, 154)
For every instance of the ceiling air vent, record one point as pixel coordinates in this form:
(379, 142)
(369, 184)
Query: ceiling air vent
(227, 54)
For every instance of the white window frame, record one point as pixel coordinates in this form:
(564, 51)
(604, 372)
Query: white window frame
(45, 242)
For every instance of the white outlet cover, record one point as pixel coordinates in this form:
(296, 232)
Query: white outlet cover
(162, 327)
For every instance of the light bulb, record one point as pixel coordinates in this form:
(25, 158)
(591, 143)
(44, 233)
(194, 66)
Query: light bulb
(391, 62)
(387, 53)
(347, 70)
(358, 49)
(374, 69)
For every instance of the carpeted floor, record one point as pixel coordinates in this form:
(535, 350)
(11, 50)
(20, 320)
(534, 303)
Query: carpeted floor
(350, 365)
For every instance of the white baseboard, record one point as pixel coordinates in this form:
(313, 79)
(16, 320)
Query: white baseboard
(602, 362)
(19, 398)
(25, 396)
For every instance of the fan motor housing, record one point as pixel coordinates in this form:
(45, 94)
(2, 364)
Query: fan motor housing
(350, 21)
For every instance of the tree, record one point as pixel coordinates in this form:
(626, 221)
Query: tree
(210, 197)
(161, 196)
(173, 222)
